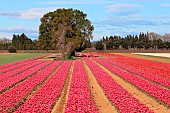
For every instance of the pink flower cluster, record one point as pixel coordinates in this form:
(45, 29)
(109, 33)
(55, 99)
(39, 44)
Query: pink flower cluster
(42, 100)
(18, 70)
(4, 70)
(152, 89)
(157, 68)
(11, 98)
(79, 98)
(150, 76)
(124, 101)
(6, 83)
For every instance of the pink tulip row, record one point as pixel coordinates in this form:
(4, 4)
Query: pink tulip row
(157, 68)
(11, 98)
(19, 77)
(160, 71)
(79, 98)
(4, 70)
(42, 100)
(152, 89)
(123, 100)
(150, 76)
(18, 70)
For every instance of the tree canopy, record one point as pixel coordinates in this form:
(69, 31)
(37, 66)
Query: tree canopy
(64, 24)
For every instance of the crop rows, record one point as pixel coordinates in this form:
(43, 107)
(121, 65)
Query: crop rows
(156, 68)
(150, 76)
(152, 89)
(40, 86)
(45, 97)
(16, 94)
(19, 77)
(79, 98)
(118, 96)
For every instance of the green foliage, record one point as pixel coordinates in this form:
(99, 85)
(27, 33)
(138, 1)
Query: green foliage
(99, 46)
(22, 42)
(12, 49)
(70, 54)
(143, 41)
(78, 28)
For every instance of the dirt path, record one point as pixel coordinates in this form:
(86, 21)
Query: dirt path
(153, 58)
(61, 102)
(102, 102)
(148, 101)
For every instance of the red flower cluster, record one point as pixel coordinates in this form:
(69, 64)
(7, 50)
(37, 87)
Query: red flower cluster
(42, 100)
(124, 101)
(157, 68)
(79, 98)
(10, 98)
(18, 70)
(152, 89)
(150, 76)
(17, 78)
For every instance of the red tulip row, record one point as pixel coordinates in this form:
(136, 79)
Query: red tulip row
(11, 98)
(79, 98)
(18, 70)
(157, 68)
(152, 89)
(4, 70)
(19, 77)
(150, 76)
(123, 100)
(42, 100)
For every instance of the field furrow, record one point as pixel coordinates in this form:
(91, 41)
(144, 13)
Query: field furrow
(79, 98)
(159, 93)
(149, 76)
(44, 98)
(12, 81)
(22, 90)
(120, 98)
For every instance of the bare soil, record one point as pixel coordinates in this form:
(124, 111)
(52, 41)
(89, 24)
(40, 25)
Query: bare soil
(142, 97)
(60, 104)
(102, 102)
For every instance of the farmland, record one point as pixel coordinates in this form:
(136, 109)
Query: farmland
(93, 83)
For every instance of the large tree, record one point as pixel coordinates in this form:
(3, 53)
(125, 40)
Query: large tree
(64, 26)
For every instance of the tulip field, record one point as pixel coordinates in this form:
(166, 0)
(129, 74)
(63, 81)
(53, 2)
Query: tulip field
(127, 85)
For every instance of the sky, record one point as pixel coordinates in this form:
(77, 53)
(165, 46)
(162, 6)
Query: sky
(109, 17)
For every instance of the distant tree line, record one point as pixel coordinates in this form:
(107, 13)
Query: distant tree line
(143, 41)
(20, 42)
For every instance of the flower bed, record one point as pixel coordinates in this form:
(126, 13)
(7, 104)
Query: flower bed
(124, 102)
(79, 98)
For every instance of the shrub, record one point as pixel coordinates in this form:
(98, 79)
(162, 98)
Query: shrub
(12, 49)
(70, 54)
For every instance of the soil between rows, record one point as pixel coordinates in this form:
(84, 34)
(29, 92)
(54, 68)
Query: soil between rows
(62, 100)
(101, 101)
(145, 99)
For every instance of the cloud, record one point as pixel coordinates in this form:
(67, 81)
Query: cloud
(5, 35)
(32, 13)
(165, 4)
(122, 7)
(15, 14)
(74, 2)
(19, 29)
(125, 23)
(9, 31)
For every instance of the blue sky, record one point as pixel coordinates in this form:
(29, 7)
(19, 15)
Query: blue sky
(109, 17)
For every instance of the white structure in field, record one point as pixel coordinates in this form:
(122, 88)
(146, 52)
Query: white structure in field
(155, 54)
